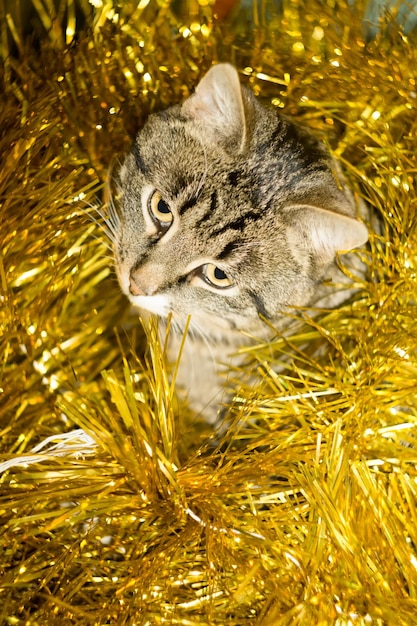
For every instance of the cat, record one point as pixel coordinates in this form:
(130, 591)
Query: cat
(233, 214)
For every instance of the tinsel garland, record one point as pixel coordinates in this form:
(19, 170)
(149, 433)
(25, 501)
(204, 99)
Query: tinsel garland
(117, 505)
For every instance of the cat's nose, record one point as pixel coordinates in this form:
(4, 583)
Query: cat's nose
(137, 287)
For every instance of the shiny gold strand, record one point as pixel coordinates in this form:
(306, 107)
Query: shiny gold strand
(117, 506)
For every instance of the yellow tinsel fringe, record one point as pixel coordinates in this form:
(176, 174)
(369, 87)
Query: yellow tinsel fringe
(116, 505)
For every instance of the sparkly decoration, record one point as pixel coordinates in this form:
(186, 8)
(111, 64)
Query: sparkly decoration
(117, 505)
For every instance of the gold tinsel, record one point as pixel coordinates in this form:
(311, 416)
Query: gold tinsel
(117, 506)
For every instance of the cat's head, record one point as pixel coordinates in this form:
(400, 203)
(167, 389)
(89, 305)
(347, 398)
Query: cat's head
(228, 211)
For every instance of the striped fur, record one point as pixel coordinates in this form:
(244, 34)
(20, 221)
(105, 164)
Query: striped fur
(249, 193)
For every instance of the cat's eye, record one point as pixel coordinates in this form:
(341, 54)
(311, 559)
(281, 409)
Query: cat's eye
(159, 211)
(216, 276)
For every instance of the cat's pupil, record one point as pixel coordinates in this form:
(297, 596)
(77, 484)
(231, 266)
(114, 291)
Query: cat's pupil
(163, 207)
(219, 274)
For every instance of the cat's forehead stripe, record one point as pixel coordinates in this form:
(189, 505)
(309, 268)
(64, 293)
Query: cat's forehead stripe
(228, 249)
(139, 161)
(233, 178)
(239, 223)
(208, 213)
(189, 204)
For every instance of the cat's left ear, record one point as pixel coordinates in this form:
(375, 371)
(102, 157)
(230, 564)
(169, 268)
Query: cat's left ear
(217, 107)
(328, 232)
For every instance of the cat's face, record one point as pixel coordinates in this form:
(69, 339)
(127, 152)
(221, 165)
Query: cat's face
(227, 212)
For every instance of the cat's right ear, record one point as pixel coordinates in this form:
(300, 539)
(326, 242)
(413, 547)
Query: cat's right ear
(217, 107)
(327, 232)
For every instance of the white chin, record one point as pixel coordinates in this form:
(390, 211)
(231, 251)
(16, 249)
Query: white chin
(154, 304)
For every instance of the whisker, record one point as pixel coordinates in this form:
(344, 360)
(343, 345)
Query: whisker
(106, 244)
(108, 221)
(109, 258)
(106, 215)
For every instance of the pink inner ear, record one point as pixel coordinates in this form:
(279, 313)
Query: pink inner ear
(217, 105)
(331, 232)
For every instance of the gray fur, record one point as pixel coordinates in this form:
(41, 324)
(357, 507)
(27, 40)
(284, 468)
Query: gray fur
(250, 193)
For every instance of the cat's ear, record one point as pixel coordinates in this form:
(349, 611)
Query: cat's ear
(328, 232)
(217, 107)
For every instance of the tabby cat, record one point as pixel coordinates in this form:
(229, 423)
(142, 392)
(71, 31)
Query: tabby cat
(232, 214)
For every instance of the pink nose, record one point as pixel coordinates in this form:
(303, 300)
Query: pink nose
(138, 286)
(135, 289)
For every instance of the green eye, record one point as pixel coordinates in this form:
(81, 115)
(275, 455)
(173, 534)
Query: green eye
(216, 276)
(160, 211)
